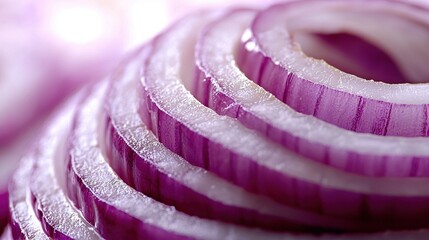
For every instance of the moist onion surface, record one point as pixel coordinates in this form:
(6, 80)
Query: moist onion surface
(304, 120)
(59, 218)
(313, 87)
(144, 163)
(221, 86)
(241, 156)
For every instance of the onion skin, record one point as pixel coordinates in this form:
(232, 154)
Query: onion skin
(358, 112)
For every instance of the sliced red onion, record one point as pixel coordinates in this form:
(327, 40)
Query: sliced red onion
(225, 147)
(221, 86)
(270, 57)
(24, 223)
(120, 212)
(60, 220)
(145, 164)
(7, 234)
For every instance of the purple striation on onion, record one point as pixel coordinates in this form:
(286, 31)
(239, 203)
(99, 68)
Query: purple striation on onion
(270, 57)
(223, 146)
(117, 210)
(184, 142)
(4, 211)
(60, 220)
(145, 164)
(220, 85)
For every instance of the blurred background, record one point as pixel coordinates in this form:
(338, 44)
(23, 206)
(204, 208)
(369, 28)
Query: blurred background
(51, 48)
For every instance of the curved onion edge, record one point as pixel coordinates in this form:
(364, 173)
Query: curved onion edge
(94, 187)
(122, 212)
(23, 221)
(4, 213)
(219, 84)
(146, 165)
(60, 220)
(282, 69)
(222, 145)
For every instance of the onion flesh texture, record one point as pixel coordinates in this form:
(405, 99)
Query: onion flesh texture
(246, 170)
(221, 86)
(269, 57)
(59, 218)
(24, 223)
(122, 212)
(146, 165)
(223, 146)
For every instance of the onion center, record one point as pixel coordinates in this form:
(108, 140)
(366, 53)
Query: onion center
(361, 40)
(351, 54)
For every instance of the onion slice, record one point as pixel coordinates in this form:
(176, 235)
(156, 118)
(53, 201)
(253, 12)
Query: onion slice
(145, 164)
(24, 223)
(117, 210)
(59, 218)
(221, 86)
(270, 57)
(222, 145)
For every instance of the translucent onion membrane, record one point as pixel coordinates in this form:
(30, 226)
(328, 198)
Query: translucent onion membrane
(223, 87)
(145, 164)
(357, 31)
(222, 145)
(24, 223)
(60, 220)
(118, 211)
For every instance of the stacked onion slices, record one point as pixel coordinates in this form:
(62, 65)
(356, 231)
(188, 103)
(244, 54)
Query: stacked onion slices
(295, 122)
